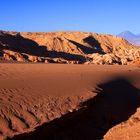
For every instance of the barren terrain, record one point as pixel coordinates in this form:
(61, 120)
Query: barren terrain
(67, 47)
(73, 102)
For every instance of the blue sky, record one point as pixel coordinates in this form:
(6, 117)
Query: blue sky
(101, 16)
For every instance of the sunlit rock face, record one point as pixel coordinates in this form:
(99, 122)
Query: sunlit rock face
(66, 47)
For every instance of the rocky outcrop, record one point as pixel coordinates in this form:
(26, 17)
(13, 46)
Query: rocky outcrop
(66, 47)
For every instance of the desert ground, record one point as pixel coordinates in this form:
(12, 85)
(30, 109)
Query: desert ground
(45, 95)
(69, 102)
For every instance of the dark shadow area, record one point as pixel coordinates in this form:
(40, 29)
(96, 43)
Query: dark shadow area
(67, 56)
(94, 46)
(115, 102)
(83, 48)
(19, 44)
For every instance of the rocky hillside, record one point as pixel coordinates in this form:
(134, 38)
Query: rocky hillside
(66, 47)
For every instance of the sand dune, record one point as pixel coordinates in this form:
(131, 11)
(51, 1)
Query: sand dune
(37, 100)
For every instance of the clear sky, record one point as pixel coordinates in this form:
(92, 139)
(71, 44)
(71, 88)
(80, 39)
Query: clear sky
(101, 16)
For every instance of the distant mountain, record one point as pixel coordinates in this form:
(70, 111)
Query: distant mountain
(130, 37)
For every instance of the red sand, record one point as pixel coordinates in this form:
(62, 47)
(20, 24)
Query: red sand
(34, 94)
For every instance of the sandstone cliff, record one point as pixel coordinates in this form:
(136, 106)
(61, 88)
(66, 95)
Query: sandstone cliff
(66, 47)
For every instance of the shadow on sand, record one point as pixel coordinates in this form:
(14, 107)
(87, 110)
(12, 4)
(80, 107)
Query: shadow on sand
(115, 102)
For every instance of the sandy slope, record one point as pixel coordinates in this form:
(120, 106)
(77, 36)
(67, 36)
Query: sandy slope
(34, 94)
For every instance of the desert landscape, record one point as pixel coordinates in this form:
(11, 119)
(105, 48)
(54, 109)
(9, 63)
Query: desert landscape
(74, 102)
(67, 47)
(69, 70)
(68, 86)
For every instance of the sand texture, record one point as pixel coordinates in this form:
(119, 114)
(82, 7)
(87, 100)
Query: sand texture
(73, 102)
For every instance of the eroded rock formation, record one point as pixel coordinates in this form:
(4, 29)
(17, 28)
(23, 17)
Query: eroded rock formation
(66, 47)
